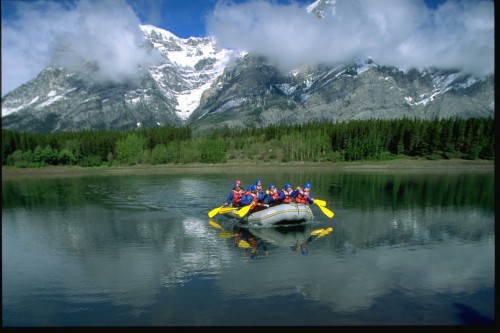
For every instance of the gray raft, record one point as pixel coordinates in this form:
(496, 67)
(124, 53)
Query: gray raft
(289, 213)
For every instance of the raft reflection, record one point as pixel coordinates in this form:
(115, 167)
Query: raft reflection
(258, 240)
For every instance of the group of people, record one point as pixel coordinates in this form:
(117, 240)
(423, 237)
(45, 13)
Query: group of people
(254, 195)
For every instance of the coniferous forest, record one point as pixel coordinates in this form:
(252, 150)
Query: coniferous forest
(469, 139)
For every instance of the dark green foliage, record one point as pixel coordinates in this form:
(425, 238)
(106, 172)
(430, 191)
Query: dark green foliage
(311, 142)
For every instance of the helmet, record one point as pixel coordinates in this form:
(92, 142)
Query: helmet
(287, 186)
(271, 186)
(307, 185)
(253, 188)
(237, 183)
(257, 181)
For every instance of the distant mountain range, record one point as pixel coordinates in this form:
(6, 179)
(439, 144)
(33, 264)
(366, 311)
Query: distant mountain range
(199, 85)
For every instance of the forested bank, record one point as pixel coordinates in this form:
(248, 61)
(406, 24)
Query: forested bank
(468, 139)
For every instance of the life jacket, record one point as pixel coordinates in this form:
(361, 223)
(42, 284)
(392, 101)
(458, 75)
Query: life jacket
(275, 196)
(301, 197)
(237, 194)
(288, 198)
(255, 197)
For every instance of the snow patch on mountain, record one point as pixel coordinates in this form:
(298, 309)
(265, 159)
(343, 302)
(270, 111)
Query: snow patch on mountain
(197, 60)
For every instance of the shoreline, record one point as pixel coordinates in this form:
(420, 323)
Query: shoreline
(407, 165)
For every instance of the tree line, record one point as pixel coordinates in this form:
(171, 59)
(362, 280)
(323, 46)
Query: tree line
(356, 140)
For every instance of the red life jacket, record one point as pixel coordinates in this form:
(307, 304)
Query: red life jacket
(236, 196)
(301, 197)
(255, 198)
(288, 198)
(275, 195)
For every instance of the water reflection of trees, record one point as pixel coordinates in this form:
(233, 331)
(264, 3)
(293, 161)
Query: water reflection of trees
(401, 191)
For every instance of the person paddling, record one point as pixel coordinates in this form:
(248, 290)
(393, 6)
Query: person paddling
(252, 197)
(234, 198)
(272, 196)
(303, 195)
(286, 194)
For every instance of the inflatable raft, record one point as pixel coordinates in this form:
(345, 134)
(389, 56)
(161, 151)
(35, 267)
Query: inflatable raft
(289, 213)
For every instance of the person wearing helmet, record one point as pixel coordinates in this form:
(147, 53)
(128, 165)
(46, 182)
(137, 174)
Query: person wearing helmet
(272, 196)
(286, 194)
(303, 195)
(252, 197)
(234, 197)
(258, 183)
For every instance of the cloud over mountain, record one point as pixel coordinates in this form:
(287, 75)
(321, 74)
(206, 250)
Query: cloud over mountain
(104, 33)
(403, 33)
(112, 45)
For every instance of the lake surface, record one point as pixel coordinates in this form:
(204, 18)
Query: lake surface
(407, 248)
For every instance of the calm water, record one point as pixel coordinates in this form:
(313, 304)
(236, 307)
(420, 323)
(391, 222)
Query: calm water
(407, 248)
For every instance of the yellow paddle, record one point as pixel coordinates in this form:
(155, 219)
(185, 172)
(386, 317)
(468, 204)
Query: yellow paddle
(226, 234)
(214, 211)
(325, 210)
(243, 211)
(321, 232)
(325, 232)
(226, 210)
(244, 244)
(320, 202)
(215, 224)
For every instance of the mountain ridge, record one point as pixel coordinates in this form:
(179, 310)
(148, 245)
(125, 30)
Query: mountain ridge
(200, 85)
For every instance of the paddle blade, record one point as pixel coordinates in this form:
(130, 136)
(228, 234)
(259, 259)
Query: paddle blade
(226, 210)
(326, 211)
(214, 211)
(321, 232)
(316, 232)
(244, 244)
(325, 232)
(242, 212)
(215, 224)
(226, 234)
(320, 202)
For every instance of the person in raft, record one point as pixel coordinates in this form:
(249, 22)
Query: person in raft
(234, 197)
(272, 196)
(258, 183)
(252, 197)
(286, 194)
(303, 195)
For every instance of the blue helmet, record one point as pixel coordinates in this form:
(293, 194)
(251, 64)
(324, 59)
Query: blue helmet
(287, 186)
(257, 181)
(253, 188)
(271, 186)
(307, 185)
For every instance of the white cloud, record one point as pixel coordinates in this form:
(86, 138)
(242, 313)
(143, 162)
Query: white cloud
(105, 33)
(403, 33)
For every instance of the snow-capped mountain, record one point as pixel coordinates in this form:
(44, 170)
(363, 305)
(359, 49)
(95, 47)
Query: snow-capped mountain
(252, 93)
(196, 61)
(197, 84)
(167, 93)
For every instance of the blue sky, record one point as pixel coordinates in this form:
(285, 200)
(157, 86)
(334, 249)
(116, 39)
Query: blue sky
(404, 33)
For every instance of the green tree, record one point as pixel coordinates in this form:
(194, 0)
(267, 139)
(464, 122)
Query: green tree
(129, 150)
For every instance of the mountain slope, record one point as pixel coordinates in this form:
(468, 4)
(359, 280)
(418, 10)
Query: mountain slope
(166, 93)
(197, 84)
(361, 90)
